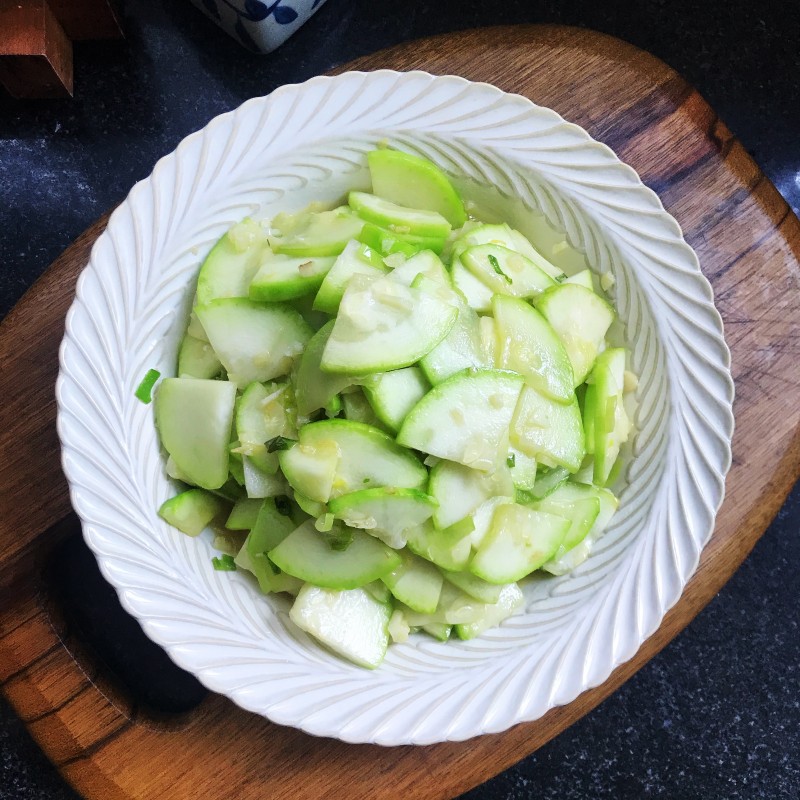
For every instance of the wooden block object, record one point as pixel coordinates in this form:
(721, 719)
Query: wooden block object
(35, 53)
(88, 19)
(748, 242)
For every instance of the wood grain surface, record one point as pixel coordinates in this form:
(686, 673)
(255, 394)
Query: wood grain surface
(35, 52)
(748, 242)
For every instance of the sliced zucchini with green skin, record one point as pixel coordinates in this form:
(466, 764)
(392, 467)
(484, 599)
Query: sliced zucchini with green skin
(519, 541)
(507, 237)
(581, 319)
(304, 306)
(523, 245)
(581, 514)
(528, 345)
(415, 182)
(459, 490)
(398, 219)
(379, 591)
(197, 359)
(499, 234)
(465, 418)
(522, 468)
(319, 233)
(351, 623)
(357, 409)
(384, 512)
(611, 424)
(383, 325)
(582, 278)
(191, 511)
(306, 554)
(454, 607)
(260, 483)
(254, 342)
(548, 479)
(244, 514)
(482, 519)
(312, 508)
(415, 582)
(311, 468)
(550, 431)
(194, 328)
(282, 277)
(355, 259)
(393, 394)
(589, 416)
(261, 416)
(174, 471)
(426, 263)
(449, 548)
(570, 492)
(388, 242)
(461, 349)
(232, 263)
(270, 529)
(473, 586)
(369, 457)
(511, 599)
(505, 271)
(270, 578)
(314, 389)
(439, 630)
(193, 417)
(478, 295)
(574, 492)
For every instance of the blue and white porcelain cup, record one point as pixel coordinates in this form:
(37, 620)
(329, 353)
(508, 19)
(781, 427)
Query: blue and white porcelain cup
(259, 25)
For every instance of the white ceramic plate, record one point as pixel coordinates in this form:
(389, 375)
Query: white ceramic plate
(307, 142)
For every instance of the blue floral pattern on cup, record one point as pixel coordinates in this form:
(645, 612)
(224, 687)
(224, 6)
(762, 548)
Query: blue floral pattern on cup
(257, 24)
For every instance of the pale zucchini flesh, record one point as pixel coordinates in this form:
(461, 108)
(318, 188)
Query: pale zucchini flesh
(384, 325)
(352, 623)
(194, 419)
(464, 418)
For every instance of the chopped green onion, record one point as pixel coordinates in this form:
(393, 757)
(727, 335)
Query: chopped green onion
(511, 460)
(279, 443)
(283, 505)
(144, 391)
(496, 267)
(224, 563)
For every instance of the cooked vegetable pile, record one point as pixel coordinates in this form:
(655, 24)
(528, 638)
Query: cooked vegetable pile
(393, 412)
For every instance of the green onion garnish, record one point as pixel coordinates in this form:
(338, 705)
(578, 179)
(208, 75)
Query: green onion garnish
(279, 443)
(224, 563)
(283, 505)
(511, 460)
(144, 391)
(496, 267)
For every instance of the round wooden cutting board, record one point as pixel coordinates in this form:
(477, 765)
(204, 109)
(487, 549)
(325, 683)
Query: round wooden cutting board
(748, 242)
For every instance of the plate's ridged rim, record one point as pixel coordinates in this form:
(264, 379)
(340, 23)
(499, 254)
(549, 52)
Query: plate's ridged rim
(628, 612)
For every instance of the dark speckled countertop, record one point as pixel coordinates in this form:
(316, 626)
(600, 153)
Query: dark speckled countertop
(717, 714)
